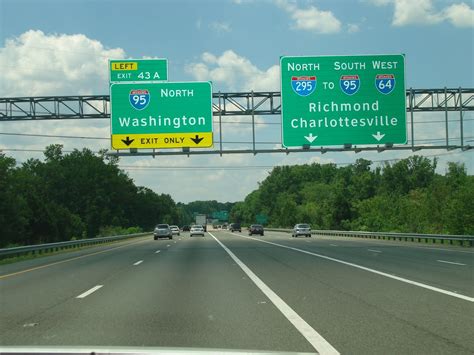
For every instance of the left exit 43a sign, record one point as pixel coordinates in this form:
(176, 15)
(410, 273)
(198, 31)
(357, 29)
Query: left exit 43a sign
(138, 70)
(161, 115)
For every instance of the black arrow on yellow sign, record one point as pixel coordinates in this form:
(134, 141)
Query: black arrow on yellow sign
(196, 139)
(128, 141)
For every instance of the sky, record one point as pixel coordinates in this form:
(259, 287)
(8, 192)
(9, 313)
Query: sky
(63, 47)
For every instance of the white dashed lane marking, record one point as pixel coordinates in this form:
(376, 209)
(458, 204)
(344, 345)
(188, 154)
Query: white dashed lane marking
(450, 262)
(87, 293)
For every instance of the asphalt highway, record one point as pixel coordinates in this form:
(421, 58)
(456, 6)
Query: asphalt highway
(231, 291)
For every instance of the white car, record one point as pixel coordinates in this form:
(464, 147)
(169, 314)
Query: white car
(301, 229)
(196, 230)
(174, 230)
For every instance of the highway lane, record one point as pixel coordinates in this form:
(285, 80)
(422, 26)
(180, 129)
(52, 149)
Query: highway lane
(451, 268)
(34, 286)
(189, 292)
(358, 311)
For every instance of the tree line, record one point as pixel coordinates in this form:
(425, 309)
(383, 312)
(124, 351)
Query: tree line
(84, 195)
(406, 196)
(74, 196)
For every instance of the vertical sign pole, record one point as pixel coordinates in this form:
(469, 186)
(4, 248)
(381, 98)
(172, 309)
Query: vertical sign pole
(220, 122)
(460, 118)
(253, 125)
(411, 119)
(446, 116)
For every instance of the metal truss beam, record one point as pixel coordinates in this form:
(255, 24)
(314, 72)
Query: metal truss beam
(226, 105)
(322, 150)
(223, 104)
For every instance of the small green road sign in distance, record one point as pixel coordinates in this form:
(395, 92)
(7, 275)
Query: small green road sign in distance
(261, 219)
(137, 70)
(338, 100)
(161, 115)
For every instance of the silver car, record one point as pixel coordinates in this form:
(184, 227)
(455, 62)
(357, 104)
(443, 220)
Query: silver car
(196, 230)
(174, 230)
(162, 231)
(301, 229)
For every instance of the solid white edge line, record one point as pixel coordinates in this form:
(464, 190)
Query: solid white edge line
(375, 251)
(450, 262)
(415, 283)
(138, 263)
(88, 292)
(320, 344)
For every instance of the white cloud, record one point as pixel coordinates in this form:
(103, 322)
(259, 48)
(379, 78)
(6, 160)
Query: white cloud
(409, 12)
(423, 12)
(36, 63)
(311, 18)
(231, 71)
(380, 2)
(460, 15)
(220, 27)
(353, 28)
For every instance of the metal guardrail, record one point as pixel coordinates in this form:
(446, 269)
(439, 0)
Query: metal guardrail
(41, 248)
(413, 237)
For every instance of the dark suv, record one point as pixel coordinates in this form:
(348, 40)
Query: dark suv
(256, 229)
(235, 227)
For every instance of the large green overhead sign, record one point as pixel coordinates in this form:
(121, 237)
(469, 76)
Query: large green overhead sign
(161, 115)
(338, 100)
(133, 70)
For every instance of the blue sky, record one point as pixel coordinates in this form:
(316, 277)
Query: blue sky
(61, 48)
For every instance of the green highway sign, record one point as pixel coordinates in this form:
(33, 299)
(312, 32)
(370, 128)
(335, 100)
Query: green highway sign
(221, 215)
(337, 100)
(138, 70)
(261, 219)
(161, 115)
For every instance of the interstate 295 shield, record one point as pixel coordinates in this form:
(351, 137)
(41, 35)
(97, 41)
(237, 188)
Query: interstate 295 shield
(303, 85)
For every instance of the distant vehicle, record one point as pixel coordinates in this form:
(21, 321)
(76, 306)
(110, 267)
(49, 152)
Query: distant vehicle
(235, 227)
(174, 230)
(201, 219)
(256, 229)
(301, 229)
(186, 228)
(162, 231)
(196, 229)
